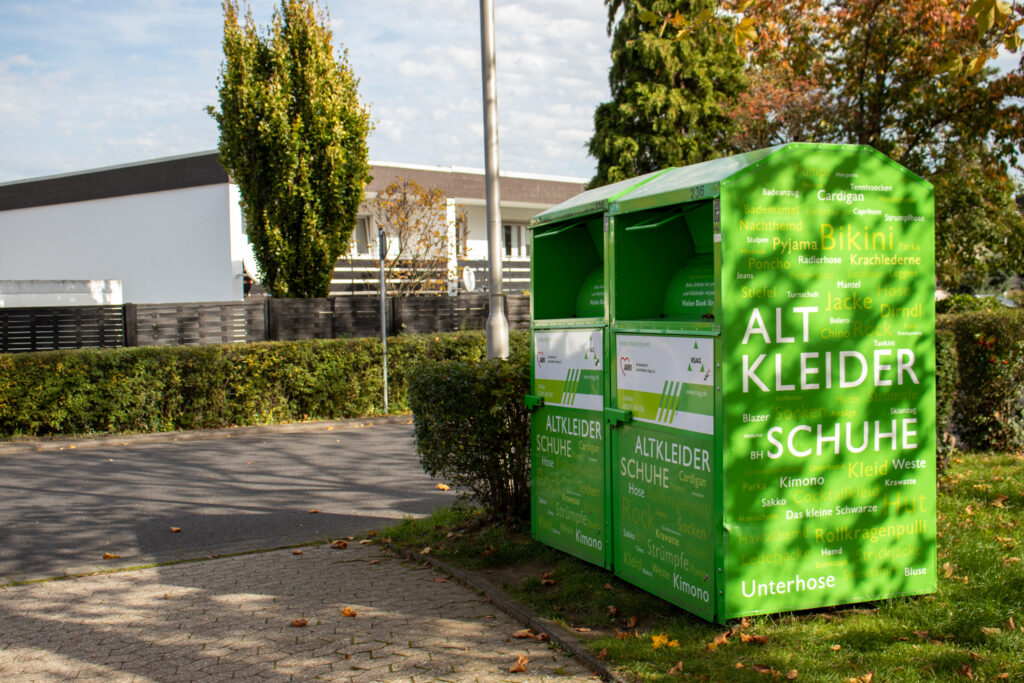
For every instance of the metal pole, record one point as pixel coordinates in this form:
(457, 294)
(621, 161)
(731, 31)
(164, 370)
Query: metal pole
(497, 325)
(383, 247)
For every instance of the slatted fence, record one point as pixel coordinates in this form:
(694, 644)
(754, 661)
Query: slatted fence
(66, 327)
(42, 329)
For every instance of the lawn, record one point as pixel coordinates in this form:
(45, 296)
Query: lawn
(971, 629)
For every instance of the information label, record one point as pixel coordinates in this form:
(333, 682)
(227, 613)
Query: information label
(667, 381)
(568, 368)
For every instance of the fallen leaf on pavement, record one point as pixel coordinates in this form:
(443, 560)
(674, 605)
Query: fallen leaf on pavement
(440, 580)
(111, 556)
(340, 545)
(296, 552)
(442, 487)
(425, 551)
(348, 612)
(314, 512)
(520, 665)
(582, 629)
(299, 622)
(175, 529)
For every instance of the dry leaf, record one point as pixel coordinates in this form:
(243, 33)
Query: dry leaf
(547, 582)
(739, 665)
(175, 529)
(631, 622)
(836, 648)
(1009, 625)
(721, 639)
(603, 654)
(607, 587)
(520, 665)
(947, 570)
(373, 562)
(111, 556)
(314, 512)
(541, 637)
(442, 487)
(676, 670)
(523, 633)
(340, 545)
(659, 641)
(761, 669)
(760, 640)
(1007, 561)
(989, 631)
(299, 622)
(296, 552)
(425, 551)
(440, 580)
(976, 656)
(612, 610)
(792, 675)
(998, 502)
(348, 612)
(966, 672)
(489, 550)
(621, 635)
(582, 629)
(1003, 675)
(365, 541)
(372, 533)
(921, 634)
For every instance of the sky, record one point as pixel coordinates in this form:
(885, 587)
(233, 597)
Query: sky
(91, 83)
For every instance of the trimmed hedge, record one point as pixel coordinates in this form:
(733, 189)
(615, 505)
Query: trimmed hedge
(473, 429)
(988, 405)
(153, 389)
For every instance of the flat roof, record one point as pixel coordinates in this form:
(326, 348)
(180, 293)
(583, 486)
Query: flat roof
(203, 168)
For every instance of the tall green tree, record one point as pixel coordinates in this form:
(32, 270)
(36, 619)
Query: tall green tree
(293, 137)
(675, 75)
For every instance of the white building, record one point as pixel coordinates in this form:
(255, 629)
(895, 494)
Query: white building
(170, 230)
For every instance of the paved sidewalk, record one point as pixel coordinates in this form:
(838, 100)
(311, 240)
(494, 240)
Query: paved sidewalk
(230, 618)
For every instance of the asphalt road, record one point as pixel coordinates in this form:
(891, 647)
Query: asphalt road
(62, 506)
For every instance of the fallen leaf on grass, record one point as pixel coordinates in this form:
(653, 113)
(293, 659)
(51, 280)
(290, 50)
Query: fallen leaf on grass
(720, 639)
(547, 582)
(662, 640)
(607, 587)
(792, 675)
(426, 551)
(989, 631)
(621, 635)
(1009, 625)
(761, 669)
(1003, 675)
(998, 502)
(340, 545)
(677, 669)
(612, 610)
(603, 654)
(348, 612)
(976, 656)
(921, 634)
(739, 665)
(489, 550)
(298, 623)
(865, 678)
(175, 529)
(631, 622)
(966, 672)
(442, 487)
(111, 556)
(520, 665)
(1007, 561)
(836, 648)
(760, 640)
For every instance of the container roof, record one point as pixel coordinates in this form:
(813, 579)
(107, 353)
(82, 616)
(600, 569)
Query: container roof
(592, 201)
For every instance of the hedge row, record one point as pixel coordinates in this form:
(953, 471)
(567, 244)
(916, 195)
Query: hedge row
(986, 389)
(153, 389)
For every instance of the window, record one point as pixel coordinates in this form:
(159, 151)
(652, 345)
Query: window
(361, 241)
(516, 241)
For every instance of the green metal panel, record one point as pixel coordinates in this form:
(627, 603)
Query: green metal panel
(594, 201)
(829, 405)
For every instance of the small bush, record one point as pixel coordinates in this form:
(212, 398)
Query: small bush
(988, 407)
(152, 389)
(965, 303)
(472, 429)
(946, 380)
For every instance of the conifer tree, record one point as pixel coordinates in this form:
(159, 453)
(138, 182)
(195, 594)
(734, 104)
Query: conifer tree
(675, 76)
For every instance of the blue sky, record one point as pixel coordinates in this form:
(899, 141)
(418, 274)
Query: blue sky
(91, 83)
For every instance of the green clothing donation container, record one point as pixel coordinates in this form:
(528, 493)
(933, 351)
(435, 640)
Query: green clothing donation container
(771, 398)
(570, 474)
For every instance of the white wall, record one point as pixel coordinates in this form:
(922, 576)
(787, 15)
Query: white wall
(177, 245)
(476, 218)
(28, 293)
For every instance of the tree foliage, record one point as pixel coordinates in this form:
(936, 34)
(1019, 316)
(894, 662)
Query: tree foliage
(907, 77)
(420, 238)
(293, 137)
(675, 75)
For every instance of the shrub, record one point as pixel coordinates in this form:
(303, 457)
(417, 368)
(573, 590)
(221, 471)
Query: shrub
(988, 411)
(946, 380)
(965, 303)
(472, 429)
(151, 389)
